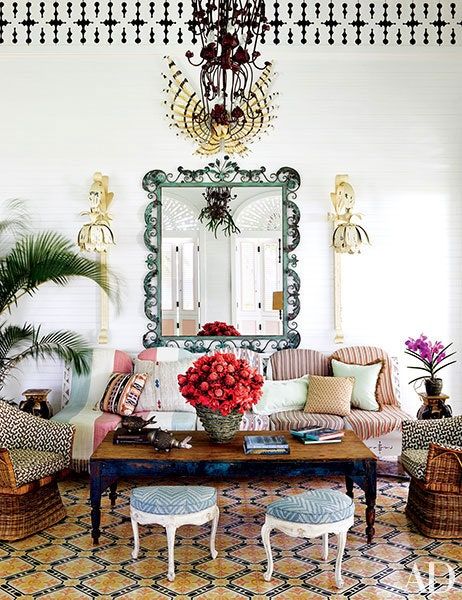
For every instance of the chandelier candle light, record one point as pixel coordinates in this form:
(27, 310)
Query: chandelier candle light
(229, 31)
(233, 107)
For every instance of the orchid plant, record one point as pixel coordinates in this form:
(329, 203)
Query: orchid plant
(432, 355)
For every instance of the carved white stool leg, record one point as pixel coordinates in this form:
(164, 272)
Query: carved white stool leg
(265, 535)
(213, 533)
(325, 546)
(171, 522)
(136, 538)
(341, 537)
(170, 529)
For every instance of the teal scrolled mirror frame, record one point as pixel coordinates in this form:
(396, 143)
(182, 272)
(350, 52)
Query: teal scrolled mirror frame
(230, 175)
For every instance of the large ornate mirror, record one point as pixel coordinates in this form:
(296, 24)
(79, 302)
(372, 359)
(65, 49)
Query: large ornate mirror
(244, 276)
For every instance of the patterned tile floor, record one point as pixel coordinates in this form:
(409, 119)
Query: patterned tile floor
(61, 563)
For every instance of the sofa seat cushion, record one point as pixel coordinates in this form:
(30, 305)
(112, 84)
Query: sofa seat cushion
(313, 507)
(31, 465)
(172, 420)
(367, 424)
(297, 419)
(173, 499)
(252, 422)
(415, 462)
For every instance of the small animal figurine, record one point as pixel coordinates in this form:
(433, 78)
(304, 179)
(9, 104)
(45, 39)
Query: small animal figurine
(135, 423)
(164, 440)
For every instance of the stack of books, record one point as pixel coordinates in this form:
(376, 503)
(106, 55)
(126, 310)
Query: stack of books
(318, 435)
(266, 444)
(125, 436)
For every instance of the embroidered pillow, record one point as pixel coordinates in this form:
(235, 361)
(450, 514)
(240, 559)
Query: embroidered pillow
(167, 395)
(366, 378)
(161, 392)
(278, 396)
(329, 395)
(122, 393)
(146, 400)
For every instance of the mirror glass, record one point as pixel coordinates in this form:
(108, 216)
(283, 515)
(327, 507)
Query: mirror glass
(236, 279)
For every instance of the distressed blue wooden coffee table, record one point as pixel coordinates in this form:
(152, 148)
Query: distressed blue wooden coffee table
(350, 458)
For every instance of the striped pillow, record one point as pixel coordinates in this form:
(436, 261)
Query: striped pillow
(122, 393)
(365, 355)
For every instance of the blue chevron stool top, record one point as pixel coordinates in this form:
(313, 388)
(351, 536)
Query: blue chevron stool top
(318, 506)
(173, 499)
(310, 514)
(172, 506)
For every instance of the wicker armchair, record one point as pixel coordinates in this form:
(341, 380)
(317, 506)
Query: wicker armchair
(32, 453)
(432, 455)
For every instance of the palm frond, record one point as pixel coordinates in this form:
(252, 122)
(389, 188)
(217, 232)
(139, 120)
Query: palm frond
(49, 256)
(65, 345)
(12, 336)
(15, 221)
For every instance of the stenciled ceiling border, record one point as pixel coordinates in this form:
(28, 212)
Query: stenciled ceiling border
(118, 22)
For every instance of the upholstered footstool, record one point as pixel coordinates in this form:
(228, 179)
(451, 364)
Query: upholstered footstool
(173, 506)
(310, 514)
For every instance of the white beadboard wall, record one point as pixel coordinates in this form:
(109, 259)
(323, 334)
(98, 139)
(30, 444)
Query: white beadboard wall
(391, 118)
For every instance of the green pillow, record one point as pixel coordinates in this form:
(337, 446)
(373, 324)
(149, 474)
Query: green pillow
(366, 377)
(277, 396)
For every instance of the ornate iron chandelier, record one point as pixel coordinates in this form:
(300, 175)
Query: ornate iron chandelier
(229, 32)
(217, 210)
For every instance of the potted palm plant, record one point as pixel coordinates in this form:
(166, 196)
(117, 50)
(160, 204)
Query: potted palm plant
(28, 260)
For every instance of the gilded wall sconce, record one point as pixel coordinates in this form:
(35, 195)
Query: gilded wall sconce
(347, 238)
(97, 236)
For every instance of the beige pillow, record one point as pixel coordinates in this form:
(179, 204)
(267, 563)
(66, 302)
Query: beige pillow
(329, 395)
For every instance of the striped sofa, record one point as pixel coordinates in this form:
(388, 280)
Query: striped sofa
(381, 431)
(81, 394)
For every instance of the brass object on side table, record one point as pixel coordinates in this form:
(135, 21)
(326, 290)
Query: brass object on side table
(434, 407)
(36, 403)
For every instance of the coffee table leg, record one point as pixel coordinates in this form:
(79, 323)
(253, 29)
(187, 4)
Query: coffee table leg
(370, 490)
(349, 486)
(113, 493)
(95, 500)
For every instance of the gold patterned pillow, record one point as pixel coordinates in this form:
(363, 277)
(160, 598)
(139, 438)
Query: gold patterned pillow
(329, 395)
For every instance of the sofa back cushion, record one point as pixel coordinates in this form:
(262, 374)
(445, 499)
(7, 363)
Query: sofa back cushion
(296, 362)
(86, 390)
(161, 392)
(365, 355)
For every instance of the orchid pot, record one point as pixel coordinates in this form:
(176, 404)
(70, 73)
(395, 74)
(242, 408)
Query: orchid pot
(433, 387)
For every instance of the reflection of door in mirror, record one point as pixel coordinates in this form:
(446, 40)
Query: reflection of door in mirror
(207, 278)
(258, 265)
(180, 268)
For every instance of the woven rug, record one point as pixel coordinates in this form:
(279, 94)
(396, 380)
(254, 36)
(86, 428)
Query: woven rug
(62, 563)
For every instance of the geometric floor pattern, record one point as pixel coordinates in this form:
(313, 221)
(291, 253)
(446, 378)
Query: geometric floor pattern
(61, 562)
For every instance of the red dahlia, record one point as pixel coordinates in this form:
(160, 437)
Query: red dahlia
(209, 382)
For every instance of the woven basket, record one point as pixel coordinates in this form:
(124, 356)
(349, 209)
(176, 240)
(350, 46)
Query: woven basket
(435, 514)
(219, 428)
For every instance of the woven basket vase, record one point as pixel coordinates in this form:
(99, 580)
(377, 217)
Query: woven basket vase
(220, 429)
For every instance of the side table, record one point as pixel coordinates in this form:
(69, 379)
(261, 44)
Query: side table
(434, 407)
(36, 403)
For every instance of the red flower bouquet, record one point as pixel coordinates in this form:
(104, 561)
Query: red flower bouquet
(222, 383)
(218, 328)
